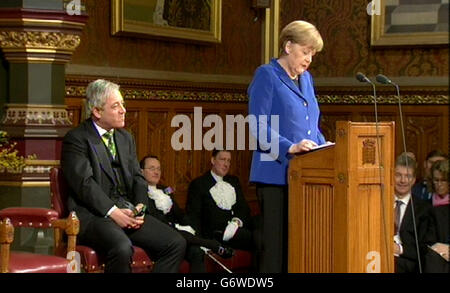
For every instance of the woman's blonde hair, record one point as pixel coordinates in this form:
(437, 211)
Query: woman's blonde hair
(302, 33)
(442, 167)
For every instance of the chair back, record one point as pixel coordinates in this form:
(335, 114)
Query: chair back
(59, 192)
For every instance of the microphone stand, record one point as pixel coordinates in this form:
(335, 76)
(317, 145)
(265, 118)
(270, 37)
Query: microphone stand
(384, 80)
(362, 78)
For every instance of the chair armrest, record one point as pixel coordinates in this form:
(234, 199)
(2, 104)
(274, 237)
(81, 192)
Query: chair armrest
(71, 226)
(29, 217)
(6, 238)
(6, 231)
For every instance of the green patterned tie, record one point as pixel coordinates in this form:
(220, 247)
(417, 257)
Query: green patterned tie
(108, 139)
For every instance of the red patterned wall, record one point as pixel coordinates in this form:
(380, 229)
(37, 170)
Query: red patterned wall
(345, 28)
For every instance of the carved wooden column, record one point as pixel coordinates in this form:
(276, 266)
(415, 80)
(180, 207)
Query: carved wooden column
(37, 39)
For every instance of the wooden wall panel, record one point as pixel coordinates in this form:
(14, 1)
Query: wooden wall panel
(426, 129)
(151, 105)
(318, 223)
(150, 124)
(239, 53)
(426, 126)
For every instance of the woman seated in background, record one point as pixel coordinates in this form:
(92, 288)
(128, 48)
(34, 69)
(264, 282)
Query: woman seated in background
(437, 259)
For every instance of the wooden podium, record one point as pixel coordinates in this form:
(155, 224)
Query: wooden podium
(341, 203)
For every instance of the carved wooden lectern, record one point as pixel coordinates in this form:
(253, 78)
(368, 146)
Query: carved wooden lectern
(341, 203)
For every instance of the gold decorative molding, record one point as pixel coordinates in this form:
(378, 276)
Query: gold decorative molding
(34, 22)
(38, 46)
(271, 27)
(25, 183)
(38, 42)
(168, 90)
(168, 95)
(384, 100)
(39, 167)
(212, 96)
(36, 115)
(123, 24)
(24, 38)
(35, 174)
(33, 162)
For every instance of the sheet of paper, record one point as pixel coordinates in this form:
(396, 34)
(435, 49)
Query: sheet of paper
(327, 144)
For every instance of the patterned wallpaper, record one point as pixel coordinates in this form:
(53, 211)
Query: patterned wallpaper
(238, 54)
(345, 28)
(344, 25)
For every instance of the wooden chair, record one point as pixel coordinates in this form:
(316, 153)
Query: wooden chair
(91, 261)
(25, 262)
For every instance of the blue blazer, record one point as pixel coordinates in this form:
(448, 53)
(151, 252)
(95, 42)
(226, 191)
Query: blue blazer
(272, 92)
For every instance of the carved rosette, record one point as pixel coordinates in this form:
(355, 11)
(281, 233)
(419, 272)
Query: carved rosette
(36, 115)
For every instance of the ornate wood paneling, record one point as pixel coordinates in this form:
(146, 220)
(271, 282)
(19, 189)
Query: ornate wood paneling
(426, 127)
(318, 226)
(149, 119)
(132, 122)
(150, 123)
(425, 133)
(239, 34)
(328, 123)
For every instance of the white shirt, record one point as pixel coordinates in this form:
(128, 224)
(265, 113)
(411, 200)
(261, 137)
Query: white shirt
(405, 201)
(216, 177)
(100, 130)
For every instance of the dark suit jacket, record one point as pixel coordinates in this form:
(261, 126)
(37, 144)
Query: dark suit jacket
(441, 216)
(408, 261)
(175, 215)
(205, 215)
(420, 191)
(86, 165)
(434, 263)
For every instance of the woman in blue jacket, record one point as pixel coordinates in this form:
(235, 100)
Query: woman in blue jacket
(283, 101)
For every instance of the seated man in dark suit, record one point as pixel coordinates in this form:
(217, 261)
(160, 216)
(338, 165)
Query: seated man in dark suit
(217, 207)
(108, 190)
(163, 206)
(405, 248)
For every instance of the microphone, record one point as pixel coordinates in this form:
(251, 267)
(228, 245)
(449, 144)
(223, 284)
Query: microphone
(362, 78)
(385, 80)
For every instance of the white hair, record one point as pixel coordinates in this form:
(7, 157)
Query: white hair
(96, 94)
